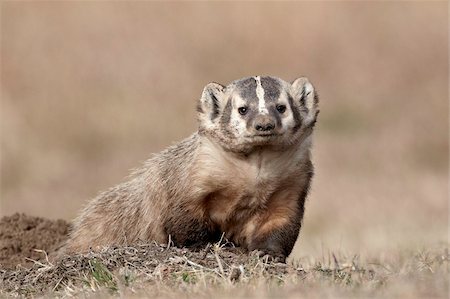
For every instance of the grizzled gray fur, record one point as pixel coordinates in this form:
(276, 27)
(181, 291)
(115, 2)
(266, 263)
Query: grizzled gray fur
(244, 174)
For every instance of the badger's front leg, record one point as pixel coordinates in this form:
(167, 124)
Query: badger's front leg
(275, 231)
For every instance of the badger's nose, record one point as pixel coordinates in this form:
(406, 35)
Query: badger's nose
(265, 127)
(264, 124)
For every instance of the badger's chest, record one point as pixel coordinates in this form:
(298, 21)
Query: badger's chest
(241, 188)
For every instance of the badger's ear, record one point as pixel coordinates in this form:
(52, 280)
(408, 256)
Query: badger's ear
(210, 103)
(305, 94)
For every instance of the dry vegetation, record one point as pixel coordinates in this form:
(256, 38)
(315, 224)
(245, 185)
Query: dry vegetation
(163, 271)
(89, 89)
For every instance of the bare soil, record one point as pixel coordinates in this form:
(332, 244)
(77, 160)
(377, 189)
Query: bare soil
(25, 238)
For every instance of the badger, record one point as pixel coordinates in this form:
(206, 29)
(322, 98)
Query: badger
(244, 175)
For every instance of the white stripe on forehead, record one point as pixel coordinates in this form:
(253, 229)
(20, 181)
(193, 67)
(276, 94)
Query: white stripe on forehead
(260, 94)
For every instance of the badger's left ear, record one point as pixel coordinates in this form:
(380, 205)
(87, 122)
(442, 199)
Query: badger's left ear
(210, 104)
(304, 93)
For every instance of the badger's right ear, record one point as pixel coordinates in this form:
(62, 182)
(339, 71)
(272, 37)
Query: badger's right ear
(305, 94)
(210, 103)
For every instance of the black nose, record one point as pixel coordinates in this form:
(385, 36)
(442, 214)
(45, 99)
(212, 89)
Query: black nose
(268, 126)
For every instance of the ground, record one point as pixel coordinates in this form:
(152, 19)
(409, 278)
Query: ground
(28, 268)
(20, 235)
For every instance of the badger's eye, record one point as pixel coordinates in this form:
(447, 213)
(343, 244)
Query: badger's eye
(281, 108)
(242, 110)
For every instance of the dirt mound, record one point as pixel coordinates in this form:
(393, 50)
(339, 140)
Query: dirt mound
(118, 266)
(164, 271)
(21, 235)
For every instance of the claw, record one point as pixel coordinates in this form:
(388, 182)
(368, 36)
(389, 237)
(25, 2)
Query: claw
(269, 256)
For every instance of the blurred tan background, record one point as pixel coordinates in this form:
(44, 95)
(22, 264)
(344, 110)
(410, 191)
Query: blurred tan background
(90, 89)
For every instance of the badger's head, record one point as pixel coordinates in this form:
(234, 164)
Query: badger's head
(258, 112)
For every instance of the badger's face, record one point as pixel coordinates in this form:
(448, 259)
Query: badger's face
(258, 111)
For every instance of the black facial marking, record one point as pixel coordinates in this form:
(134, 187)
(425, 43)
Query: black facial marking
(247, 88)
(275, 114)
(296, 114)
(225, 120)
(271, 88)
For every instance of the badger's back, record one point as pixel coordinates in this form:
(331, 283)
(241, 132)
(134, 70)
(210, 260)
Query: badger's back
(138, 208)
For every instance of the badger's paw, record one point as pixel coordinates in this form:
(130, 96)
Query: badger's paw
(269, 255)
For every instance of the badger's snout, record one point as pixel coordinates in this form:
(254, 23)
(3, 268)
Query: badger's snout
(264, 123)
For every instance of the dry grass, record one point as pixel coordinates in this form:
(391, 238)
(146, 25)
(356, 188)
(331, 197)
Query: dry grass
(160, 271)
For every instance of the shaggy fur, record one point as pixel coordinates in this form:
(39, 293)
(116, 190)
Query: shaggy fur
(244, 174)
